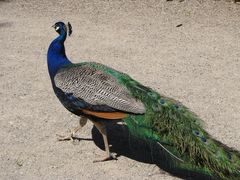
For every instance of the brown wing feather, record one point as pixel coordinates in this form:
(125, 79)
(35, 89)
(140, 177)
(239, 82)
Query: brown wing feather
(97, 88)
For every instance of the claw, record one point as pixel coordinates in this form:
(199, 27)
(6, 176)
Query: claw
(108, 158)
(71, 136)
(64, 138)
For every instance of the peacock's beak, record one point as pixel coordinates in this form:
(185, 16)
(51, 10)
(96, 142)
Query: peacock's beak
(54, 26)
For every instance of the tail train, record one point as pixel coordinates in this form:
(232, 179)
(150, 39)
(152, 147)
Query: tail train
(180, 133)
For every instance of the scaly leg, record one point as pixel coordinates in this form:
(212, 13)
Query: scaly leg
(102, 129)
(82, 122)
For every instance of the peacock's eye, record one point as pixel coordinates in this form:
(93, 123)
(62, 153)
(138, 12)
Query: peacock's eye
(57, 28)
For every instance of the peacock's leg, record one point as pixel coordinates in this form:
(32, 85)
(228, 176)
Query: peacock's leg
(102, 129)
(71, 136)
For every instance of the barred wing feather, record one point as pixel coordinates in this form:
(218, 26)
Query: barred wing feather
(97, 88)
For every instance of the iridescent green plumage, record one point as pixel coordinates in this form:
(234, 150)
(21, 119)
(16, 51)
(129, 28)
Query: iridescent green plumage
(148, 115)
(178, 130)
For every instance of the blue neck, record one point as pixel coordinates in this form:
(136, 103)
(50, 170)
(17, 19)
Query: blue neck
(56, 56)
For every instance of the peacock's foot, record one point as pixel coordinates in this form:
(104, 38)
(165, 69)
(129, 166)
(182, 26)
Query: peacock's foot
(64, 138)
(69, 137)
(108, 158)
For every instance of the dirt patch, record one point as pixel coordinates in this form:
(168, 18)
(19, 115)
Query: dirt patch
(196, 63)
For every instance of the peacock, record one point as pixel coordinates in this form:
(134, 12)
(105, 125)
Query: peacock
(99, 93)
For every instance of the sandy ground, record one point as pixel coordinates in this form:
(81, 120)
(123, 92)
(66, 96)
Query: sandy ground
(197, 63)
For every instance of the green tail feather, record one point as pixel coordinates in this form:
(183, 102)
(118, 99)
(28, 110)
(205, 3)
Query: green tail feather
(179, 131)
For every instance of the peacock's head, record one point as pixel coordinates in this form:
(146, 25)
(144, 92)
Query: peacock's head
(60, 28)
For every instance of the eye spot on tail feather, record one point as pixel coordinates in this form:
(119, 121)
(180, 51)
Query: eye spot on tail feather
(196, 132)
(201, 137)
(162, 101)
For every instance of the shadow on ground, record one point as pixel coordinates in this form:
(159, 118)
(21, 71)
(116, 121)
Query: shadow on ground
(125, 145)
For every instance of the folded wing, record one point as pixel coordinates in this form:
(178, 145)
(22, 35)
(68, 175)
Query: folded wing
(97, 88)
